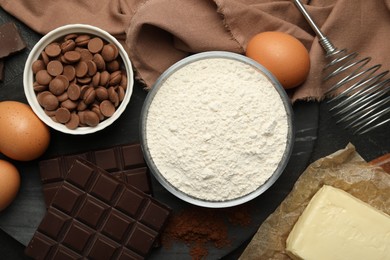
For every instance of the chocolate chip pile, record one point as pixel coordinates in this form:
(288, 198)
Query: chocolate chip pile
(79, 80)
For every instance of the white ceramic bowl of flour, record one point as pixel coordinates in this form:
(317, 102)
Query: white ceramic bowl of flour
(216, 129)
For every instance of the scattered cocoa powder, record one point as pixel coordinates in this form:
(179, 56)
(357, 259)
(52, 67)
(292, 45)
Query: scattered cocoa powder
(200, 228)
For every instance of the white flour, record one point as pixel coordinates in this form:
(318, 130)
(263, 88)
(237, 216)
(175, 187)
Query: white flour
(217, 129)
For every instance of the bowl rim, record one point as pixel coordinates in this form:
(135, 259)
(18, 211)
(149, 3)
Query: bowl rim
(35, 53)
(286, 154)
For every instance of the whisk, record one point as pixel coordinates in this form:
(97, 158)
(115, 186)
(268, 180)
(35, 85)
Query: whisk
(362, 92)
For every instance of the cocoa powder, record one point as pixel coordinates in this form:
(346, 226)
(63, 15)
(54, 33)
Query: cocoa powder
(200, 228)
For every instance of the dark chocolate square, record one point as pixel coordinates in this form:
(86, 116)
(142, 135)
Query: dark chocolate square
(129, 202)
(91, 211)
(40, 246)
(49, 191)
(117, 225)
(64, 253)
(51, 170)
(68, 161)
(77, 236)
(105, 188)
(139, 176)
(132, 156)
(124, 162)
(151, 215)
(67, 199)
(141, 239)
(104, 219)
(126, 254)
(107, 160)
(53, 223)
(80, 175)
(103, 248)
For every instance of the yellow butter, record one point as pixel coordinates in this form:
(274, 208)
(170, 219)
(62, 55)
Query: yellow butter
(336, 225)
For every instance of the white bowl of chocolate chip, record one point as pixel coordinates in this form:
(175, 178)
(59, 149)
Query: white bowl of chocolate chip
(78, 79)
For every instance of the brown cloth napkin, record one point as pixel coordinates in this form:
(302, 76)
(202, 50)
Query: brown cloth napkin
(158, 33)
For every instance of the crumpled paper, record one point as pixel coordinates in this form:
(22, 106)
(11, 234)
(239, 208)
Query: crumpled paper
(344, 169)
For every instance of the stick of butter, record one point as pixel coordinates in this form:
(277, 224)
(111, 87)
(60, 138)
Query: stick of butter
(336, 225)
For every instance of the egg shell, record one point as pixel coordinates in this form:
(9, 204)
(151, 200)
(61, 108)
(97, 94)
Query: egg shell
(9, 183)
(23, 136)
(282, 54)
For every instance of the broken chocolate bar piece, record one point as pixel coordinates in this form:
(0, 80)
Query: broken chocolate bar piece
(96, 216)
(124, 162)
(10, 40)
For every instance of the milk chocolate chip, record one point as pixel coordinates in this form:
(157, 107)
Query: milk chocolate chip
(69, 104)
(64, 96)
(62, 115)
(89, 96)
(45, 58)
(85, 80)
(38, 65)
(53, 50)
(101, 93)
(70, 36)
(107, 108)
(104, 78)
(57, 86)
(95, 45)
(43, 77)
(115, 78)
(86, 55)
(99, 61)
(82, 40)
(113, 96)
(96, 108)
(49, 101)
(109, 52)
(74, 92)
(39, 88)
(68, 45)
(113, 66)
(54, 68)
(123, 83)
(91, 118)
(69, 72)
(81, 69)
(121, 93)
(72, 56)
(73, 122)
(92, 68)
(96, 79)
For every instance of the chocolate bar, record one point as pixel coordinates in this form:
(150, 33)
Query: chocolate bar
(123, 162)
(94, 215)
(10, 40)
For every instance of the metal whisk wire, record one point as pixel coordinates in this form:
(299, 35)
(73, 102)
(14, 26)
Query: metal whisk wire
(362, 94)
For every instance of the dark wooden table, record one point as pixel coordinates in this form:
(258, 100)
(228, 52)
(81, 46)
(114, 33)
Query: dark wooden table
(317, 135)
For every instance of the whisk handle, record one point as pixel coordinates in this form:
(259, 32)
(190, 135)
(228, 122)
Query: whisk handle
(322, 39)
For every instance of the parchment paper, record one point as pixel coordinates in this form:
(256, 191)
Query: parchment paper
(344, 169)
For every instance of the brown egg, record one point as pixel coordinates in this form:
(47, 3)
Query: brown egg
(9, 183)
(283, 55)
(23, 136)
